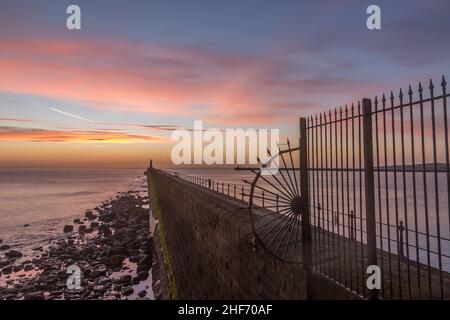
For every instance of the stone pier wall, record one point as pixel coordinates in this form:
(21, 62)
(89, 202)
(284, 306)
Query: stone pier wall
(205, 246)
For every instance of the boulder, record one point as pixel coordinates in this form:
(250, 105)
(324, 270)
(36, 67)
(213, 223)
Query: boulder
(13, 254)
(142, 294)
(127, 291)
(68, 228)
(94, 224)
(82, 229)
(38, 295)
(4, 247)
(116, 260)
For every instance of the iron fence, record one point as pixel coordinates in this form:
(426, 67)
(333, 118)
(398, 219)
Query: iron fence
(379, 194)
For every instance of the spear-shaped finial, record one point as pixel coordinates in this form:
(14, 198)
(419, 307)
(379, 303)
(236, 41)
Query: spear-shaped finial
(410, 92)
(443, 83)
(400, 95)
(420, 88)
(383, 99)
(392, 97)
(431, 85)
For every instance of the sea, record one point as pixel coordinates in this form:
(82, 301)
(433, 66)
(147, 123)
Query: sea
(35, 204)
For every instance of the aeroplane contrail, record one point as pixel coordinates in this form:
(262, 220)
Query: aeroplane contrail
(72, 115)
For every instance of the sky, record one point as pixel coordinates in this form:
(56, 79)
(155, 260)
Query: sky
(110, 94)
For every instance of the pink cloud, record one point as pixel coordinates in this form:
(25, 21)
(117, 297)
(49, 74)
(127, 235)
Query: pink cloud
(167, 80)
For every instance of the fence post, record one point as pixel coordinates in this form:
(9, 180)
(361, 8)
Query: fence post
(306, 226)
(369, 186)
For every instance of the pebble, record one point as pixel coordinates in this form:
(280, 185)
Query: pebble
(122, 234)
(68, 228)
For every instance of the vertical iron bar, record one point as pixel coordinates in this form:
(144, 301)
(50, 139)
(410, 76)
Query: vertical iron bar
(380, 217)
(413, 163)
(394, 158)
(361, 234)
(447, 160)
(405, 202)
(326, 190)
(386, 181)
(369, 187)
(436, 190)
(341, 138)
(348, 197)
(332, 195)
(306, 227)
(425, 190)
(337, 193)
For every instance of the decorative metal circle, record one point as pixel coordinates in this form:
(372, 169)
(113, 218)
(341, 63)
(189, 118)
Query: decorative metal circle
(275, 206)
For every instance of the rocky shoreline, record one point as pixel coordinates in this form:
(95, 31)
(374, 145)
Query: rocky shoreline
(112, 247)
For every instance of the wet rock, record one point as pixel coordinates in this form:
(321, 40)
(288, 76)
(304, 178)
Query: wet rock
(7, 270)
(68, 228)
(28, 267)
(94, 225)
(95, 274)
(17, 268)
(143, 275)
(89, 215)
(127, 291)
(116, 260)
(12, 254)
(38, 295)
(142, 294)
(1, 241)
(82, 229)
(26, 225)
(4, 247)
(126, 279)
(77, 221)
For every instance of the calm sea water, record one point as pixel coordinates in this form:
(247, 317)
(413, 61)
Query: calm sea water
(47, 199)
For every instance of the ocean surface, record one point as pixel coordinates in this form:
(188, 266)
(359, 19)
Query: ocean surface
(35, 204)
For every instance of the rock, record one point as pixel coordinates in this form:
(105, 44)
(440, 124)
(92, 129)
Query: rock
(26, 225)
(1, 240)
(126, 279)
(17, 268)
(68, 228)
(28, 267)
(7, 270)
(94, 224)
(100, 288)
(89, 215)
(143, 275)
(12, 254)
(77, 221)
(142, 294)
(116, 260)
(95, 274)
(38, 295)
(127, 291)
(82, 229)
(4, 247)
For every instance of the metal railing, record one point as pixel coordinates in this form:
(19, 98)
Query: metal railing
(380, 194)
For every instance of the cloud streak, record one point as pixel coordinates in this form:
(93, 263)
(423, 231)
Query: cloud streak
(43, 135)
